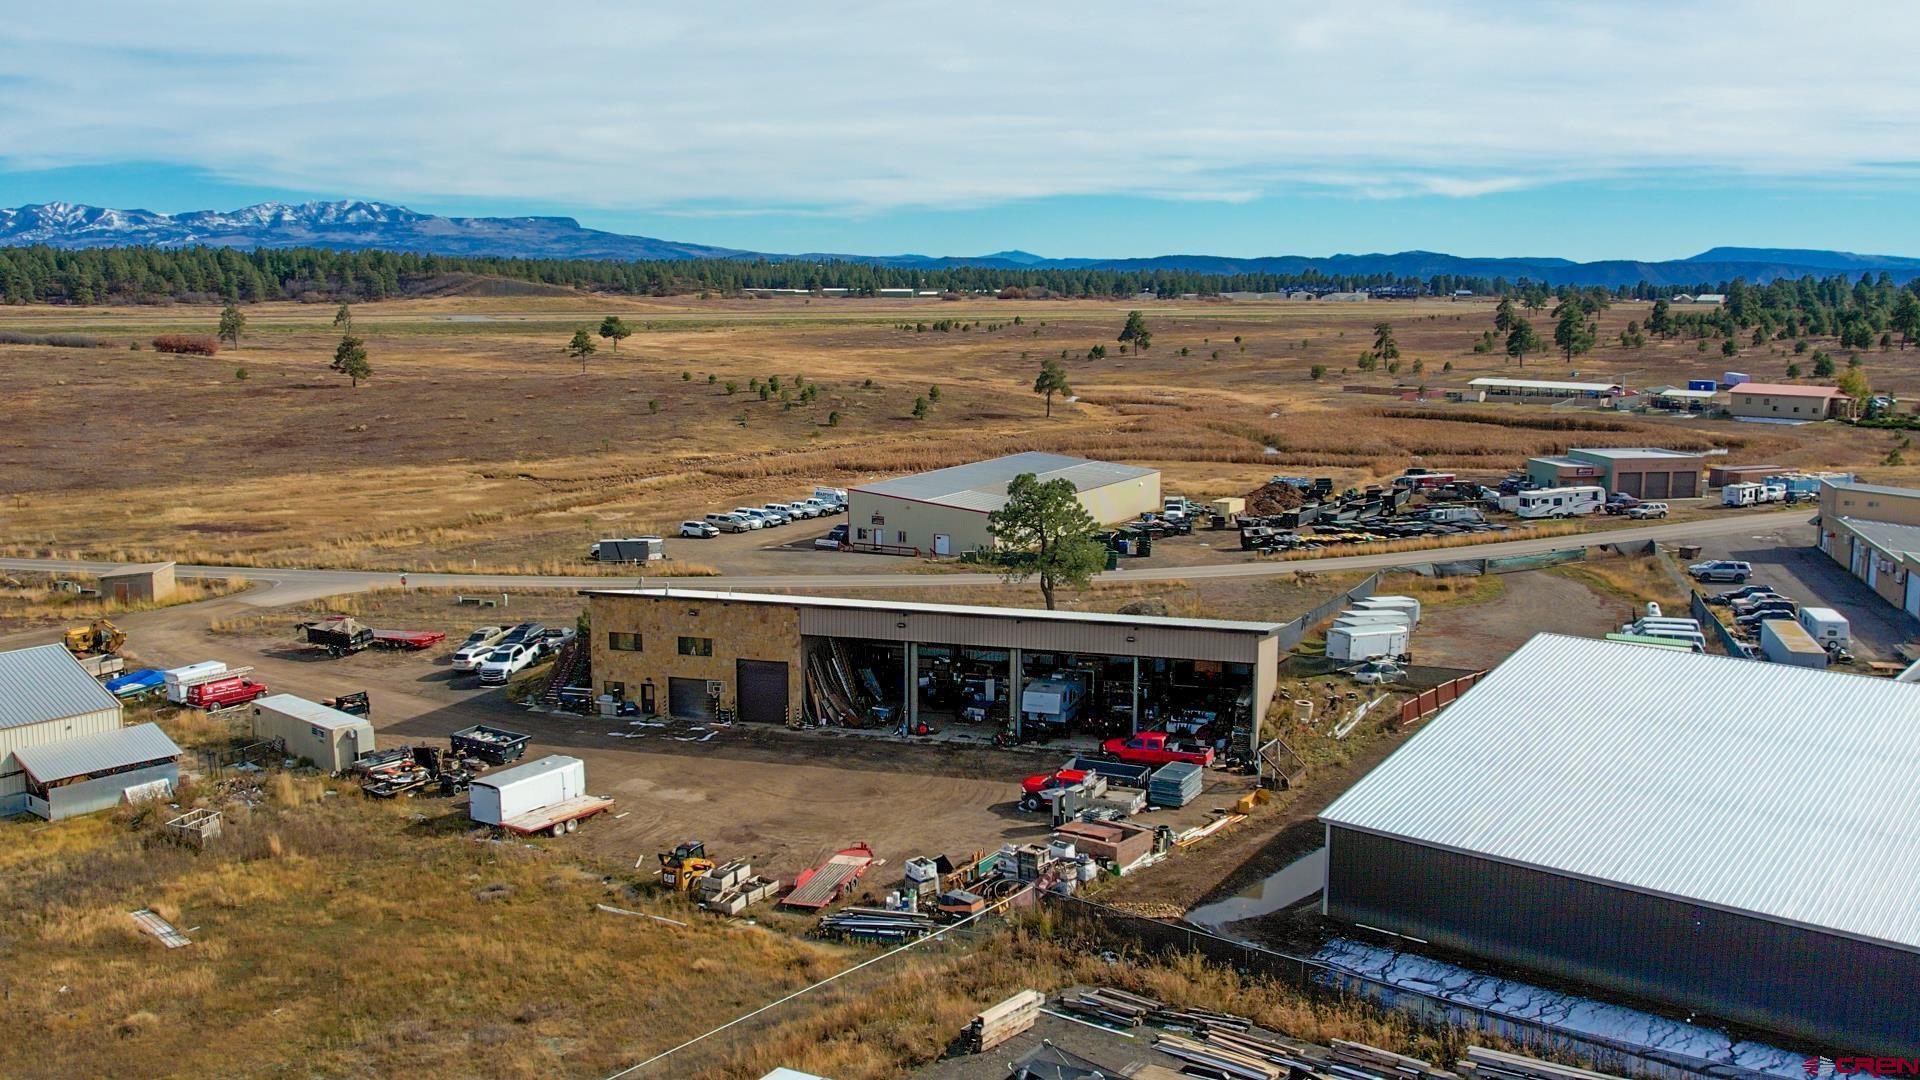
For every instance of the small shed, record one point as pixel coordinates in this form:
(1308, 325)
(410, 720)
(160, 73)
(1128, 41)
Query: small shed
(329, 738)
(92, 772)
(151, 583)
(1722, 475)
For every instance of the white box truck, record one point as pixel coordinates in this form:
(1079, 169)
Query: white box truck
(1396, 603)
(1355, 644)
(1826, 626)
(1784, 642)
(548, 795)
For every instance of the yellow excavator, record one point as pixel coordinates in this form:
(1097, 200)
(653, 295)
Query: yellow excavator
(101, 637)
(684, 865)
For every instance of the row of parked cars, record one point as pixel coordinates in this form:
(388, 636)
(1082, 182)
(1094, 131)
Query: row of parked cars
(824, 502)
(497, 653)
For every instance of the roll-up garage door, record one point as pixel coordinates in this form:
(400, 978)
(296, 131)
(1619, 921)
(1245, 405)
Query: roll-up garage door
(687, 699)
(763, 691)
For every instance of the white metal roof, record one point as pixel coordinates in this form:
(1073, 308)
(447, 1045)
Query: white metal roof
(45, 683)
(85, 754)
(311, 712)
(1901, 540)
(1632, 453)
(1496, 383)
(1872, 489)
(1030, 614)
(552, 763)
(982, 485)
(1781, 792)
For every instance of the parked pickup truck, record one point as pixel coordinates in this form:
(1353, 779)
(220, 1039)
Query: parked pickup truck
(1157, 748)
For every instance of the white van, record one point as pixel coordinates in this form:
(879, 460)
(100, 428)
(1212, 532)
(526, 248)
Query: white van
(1560, 502)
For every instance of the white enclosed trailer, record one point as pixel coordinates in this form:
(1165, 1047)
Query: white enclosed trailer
(1394, 603)
(1355, 644)
(548, 795)
(182, 679)
(1826, 626)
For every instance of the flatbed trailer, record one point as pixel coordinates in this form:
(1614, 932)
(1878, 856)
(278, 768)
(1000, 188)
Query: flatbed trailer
(560, 818)
(408, 639)
(816, 888)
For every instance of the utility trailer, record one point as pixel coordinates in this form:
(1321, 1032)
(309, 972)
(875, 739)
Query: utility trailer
(408, 639)
(544, 796)
(1119, 773)
(340, 635)
(822, 885)
(495, 746)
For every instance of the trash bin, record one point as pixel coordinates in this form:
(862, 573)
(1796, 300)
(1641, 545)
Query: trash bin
(1113, 559)
(1144, 548)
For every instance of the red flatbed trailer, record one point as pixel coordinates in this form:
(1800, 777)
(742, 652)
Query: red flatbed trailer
(822, 885)
(560, 818)
(408, 639)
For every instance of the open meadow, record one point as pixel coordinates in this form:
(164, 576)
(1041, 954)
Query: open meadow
(478, 444)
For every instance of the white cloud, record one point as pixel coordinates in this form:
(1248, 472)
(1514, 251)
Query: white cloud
(867, 107)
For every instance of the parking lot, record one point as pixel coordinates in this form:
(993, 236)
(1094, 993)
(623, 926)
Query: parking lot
(1786, 561)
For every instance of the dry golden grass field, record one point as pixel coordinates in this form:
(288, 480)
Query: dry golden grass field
(479, 444)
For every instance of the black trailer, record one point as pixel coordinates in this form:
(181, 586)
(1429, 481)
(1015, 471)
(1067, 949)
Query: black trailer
(339, 636)
(495, 746)
(356, 704)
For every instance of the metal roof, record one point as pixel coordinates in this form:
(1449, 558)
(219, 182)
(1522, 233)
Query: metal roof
(1888, 537)
(46, 683)
(552, 763)
(982, 485)
(1780, 792)
(1630, 453)
(1026, 614)
(1871, 489)
(1788, 390)
(135, 569)
(96, 753)
(310, 712)
(1498, 383)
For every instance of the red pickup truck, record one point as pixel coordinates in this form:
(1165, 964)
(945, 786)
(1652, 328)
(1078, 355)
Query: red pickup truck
(1156, 748)
(220, 693)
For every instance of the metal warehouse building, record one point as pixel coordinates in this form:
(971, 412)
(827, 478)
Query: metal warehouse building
(1734, 838)
(45, 697)
(1643, 472)
(944, 512)
(774, 658)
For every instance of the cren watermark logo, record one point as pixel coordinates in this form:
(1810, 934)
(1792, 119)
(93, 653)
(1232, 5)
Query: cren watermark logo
(1863, 1066)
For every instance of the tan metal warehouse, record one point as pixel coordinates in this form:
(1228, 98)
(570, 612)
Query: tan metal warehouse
(693, 653)
(944, 512)
(147, 584)
(45, 697)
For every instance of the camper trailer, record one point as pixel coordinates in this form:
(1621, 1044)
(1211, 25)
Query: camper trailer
(1560, 502)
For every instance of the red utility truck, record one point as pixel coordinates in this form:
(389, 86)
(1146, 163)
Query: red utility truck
(217, 694)
(1157, 748)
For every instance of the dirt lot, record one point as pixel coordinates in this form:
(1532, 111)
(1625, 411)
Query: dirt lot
(478, 445)
(1534, 602)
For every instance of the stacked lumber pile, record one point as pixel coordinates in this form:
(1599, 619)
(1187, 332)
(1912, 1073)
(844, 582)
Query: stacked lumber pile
(1373, 1061)
(1218, 1060)
(1001, 1022)
(1499, 1065)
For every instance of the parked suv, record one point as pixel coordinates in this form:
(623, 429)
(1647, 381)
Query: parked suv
(730, 522)
(803, 509)
(1722, 570)
(700, 530)
(501, 663)
(778, 512)
(1648, 510)
(468, 657)
(755, 517)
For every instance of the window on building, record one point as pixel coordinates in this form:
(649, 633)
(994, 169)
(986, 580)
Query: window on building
(900, 537)
(859, 534)
(619, 642)
(696, 646)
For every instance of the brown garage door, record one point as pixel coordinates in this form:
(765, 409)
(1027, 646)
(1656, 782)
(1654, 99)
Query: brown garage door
(763, 690)
(1686, 485)
(1628, 483)
(687, 699)
(1656, 486)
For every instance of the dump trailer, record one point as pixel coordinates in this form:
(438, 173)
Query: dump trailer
(632, 549)
(339, 635)
(544, 796)
(495, 746)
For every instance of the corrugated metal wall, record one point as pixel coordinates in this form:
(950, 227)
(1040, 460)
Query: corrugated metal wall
(102, 793)
(12, 781)
(1849, 996)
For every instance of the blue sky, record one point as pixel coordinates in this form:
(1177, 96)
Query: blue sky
(1627, 130)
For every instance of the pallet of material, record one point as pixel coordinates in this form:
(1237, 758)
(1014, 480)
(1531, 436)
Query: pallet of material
(1219, 1060)
(1374, 1059)
(741, 897)
(1175, 784)
(1499, 1065)
(1124, 801)
(1001, 1022)
(878, 924)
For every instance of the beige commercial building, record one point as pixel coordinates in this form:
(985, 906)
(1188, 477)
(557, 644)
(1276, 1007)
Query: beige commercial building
(46, 697)
(1788, 401)
(944, 512)
(774, 659)
(1874, 532)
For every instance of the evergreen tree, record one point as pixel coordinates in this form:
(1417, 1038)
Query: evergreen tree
(615, 330)
(232, 325)
(1521, 340)
(1051, 380)
(350, 359)
(581, 347)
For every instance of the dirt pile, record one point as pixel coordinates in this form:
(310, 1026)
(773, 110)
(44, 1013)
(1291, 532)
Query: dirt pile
(1274, 499)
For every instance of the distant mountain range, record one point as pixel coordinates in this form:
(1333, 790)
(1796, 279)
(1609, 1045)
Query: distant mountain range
(351, 225)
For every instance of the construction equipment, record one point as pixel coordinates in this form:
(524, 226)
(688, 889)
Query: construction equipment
(101, 636)
(684, 865)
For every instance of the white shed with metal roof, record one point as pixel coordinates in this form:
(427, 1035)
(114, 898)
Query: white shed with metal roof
(92, 772)
(1715, 833)
(944, 512)
(45, 697)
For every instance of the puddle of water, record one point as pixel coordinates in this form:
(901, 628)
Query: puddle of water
(1292, 884)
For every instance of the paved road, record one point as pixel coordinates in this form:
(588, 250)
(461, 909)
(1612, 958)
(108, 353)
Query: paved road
(278, 587)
